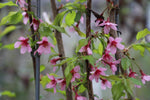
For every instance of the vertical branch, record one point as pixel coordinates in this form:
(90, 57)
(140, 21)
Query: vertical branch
(114, 17)
(88, 34)
(61, 49)
(33, 38)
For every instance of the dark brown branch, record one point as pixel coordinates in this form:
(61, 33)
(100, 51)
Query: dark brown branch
(33, 37)
(88, 34)
(113, 18)
(61, 49)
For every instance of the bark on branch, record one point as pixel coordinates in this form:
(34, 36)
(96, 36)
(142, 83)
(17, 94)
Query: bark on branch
(88, 34)
(61, 49)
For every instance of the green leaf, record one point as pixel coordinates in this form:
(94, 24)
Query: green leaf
(10, 3)
(59, 18)
(59, 0)
(81, 43)
(59, 29)
(64, 61)
(9, 46)
(78, 16)
(8, 93)
(7, 30)
(44, 80)
(90, 59)
(112, 78)
(126, 63)
(11, 18)
(45, 30)
(128, 87)
(117, 90)
(70, 18)
(142, 34)
(100, 48)
(81, 89)
(140, 48)
(79, 32)
(42, 68)
(136, 81)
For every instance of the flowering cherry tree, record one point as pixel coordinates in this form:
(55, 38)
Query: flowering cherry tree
(96, 60)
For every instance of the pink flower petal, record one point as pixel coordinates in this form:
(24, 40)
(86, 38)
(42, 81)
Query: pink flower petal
(17, 44)
(23, 49)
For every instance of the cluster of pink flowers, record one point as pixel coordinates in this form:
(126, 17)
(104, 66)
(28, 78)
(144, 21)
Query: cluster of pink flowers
(53, 82)
(44, 45)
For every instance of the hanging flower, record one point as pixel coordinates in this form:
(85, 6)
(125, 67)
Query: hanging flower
(52, 83)
(75, 74)
(35, 24)
(105, 83)
(44, 46)
(26, 17)
(107, 26)
(22, 3)
(23, 43)
(82, 19)
(144, 77)
(62, 83)
(86, 49)
(132, 74)
(96, 73)
(114, 44)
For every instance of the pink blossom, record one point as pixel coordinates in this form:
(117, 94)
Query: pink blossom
(144, 77)
(105, 83)
(72, 29)
(26, 17)
(62, 83)
(53, 61)
(132, 74)
(67, 0)
(114, 44)
(81, 98)
(82, 19)
(137, 86)
(35, 24)
(75, 74)
(23, 42)
(86, 49)
(96, 73)
(113, 65)
(22, 3)
(44, 46)
(107, 26)
(52, 83)
(106, 57)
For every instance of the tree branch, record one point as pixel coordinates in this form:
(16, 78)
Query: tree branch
(61, 49)
(88, 34)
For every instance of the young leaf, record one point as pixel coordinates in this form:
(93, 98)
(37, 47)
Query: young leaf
(79, 32)
(44, 80)
(125, 62)
(8, 93)
(90, 59)
(81, 89)
(140, 48)
(11, 18)
(10, 3)
(142, 33)
(9, 46)
(117, 90)
(7, 30)
(100, 48)
(128, 87)
(70, 18)
(42, 68)
(135, 81)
